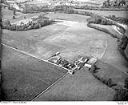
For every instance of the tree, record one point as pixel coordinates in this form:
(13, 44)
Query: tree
(6, 23)
(122, 3)
(14, 17)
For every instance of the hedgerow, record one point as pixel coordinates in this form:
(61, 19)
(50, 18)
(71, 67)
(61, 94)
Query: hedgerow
(36, 23)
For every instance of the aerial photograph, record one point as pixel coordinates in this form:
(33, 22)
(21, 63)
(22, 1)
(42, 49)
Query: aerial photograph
(64, 50)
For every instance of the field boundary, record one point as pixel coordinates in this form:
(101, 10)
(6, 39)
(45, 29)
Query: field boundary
(49, 87)
(106, 45)
(25, 53)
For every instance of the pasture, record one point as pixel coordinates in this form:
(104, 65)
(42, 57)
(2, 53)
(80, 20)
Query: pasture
(70, 36)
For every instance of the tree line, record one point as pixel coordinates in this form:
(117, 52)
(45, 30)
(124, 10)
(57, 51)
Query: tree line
(115, 3)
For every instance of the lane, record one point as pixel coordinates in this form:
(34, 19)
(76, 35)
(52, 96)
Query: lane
(25, 77)
(112, 55)
(40, 44)
(82, 86)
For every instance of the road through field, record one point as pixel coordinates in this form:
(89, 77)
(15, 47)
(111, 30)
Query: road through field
(69, 37)
(72, 38)
(24, 76)
(112, 54)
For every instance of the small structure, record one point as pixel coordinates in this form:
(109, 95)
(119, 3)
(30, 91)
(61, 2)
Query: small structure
(55, 60)
(57, 53)
(91, 62)
(78, 64)
(81, 62)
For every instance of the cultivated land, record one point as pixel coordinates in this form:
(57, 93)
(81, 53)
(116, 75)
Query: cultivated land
(24, 77)
(72, 38)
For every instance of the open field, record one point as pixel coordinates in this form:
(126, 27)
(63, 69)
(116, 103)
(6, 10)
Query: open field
(25, 77)
(79, 87)
(71, 38)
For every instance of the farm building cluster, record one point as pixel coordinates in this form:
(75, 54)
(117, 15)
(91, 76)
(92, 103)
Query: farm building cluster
(76, 65)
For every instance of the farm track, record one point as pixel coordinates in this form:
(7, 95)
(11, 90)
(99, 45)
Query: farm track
(56, 75)
(23, 52)
(35, 57)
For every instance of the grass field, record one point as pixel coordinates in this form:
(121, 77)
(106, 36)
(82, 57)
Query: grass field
(79, 87)
(26, 77)
(71, 38)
